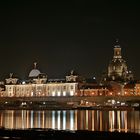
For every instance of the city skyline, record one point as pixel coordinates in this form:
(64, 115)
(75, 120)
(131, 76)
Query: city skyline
(113, 66)
(63, 36)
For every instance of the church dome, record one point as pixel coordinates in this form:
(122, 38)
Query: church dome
(118, 63)
(34, 73)
(117, 67)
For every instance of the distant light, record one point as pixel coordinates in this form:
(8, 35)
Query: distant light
(23, 103)
(113, 101)
(118, 102)
(122, 104)
(23, 82)
(94, 78)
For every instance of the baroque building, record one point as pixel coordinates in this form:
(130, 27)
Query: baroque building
(117, 68)
(37, 85)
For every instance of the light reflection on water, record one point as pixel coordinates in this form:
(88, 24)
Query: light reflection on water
(94, 120)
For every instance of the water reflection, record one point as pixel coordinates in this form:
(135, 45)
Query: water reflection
(94, 120)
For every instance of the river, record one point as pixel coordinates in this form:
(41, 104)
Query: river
(94, 120)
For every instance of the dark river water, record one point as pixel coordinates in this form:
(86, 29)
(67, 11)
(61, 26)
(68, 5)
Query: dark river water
(95, 120)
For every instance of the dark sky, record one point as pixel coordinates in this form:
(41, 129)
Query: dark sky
(62, 36)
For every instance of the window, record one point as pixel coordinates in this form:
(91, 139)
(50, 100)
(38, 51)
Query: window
(64, 87)
(71, 87)
(53, 93)
(71, 93)
(64, 93)
(114, 67)
(58, 93)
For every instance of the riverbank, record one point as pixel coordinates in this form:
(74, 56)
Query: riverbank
(67, 107)
(50, 134)
(70, 103)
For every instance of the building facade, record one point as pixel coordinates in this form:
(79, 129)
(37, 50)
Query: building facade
(38, 90)
(37, 86)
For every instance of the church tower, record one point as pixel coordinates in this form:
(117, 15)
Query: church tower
(117, 52)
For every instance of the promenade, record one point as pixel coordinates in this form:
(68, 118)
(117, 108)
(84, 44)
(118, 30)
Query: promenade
(97, 99)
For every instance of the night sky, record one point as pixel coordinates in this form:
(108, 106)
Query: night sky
(61, 36)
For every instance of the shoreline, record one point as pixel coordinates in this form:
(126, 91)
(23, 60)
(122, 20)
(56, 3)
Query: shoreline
(52, 134)
(103, 108)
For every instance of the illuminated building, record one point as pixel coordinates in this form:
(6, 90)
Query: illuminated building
(129, 89)
(117, 75)
(93, 91)
(132, 89)
(137, 88)
(117, 69)
(37, 85)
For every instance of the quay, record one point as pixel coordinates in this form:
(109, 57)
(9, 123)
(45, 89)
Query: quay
(98, 99)
(101, 102)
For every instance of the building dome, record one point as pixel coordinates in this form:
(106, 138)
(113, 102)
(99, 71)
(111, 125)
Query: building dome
(34, 73)
(118, 64)
(117, 67)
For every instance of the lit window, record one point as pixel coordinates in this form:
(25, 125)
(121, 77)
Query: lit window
(64, 93)
(32, 93)
(71, 93)
(53, 93)
(58, 93)
(119, 93)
